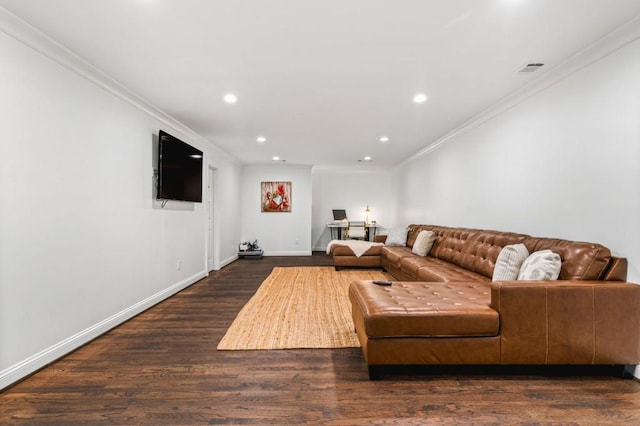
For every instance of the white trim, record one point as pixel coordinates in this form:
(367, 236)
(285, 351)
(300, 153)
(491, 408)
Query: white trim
(228, 260)
(601, 48)
(351, 169)
(35, 362)
(30, 36)
(287, 253)
(217, 224)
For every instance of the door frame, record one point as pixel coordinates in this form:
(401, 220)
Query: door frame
(211, 249)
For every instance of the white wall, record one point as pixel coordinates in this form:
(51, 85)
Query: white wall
(279, 234)
(352, 190)
(564, 163)
(83, 244)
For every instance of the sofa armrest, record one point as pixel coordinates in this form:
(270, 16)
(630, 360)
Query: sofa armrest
(568, 322)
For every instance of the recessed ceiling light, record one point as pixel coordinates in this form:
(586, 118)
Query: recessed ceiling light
(230, 98)
(384, 139)
(261, 139)
(275, 158)
(420, 98)
(367, 158)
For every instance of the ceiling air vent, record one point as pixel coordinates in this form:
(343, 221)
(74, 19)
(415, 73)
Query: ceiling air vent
(531, 67)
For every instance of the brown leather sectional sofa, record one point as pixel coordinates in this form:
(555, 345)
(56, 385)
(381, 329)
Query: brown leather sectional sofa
(445, 310)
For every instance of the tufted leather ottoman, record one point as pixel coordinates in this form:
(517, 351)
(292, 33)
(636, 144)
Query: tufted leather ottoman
(425, 323)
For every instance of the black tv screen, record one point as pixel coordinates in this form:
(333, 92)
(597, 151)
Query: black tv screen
(179, 170)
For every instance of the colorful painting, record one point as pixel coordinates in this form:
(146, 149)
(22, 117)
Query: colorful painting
(276, 196)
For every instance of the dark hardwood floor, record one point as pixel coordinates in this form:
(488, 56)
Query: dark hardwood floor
(162, 367)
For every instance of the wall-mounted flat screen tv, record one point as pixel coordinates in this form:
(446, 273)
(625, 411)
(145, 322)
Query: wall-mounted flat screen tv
(179, 170)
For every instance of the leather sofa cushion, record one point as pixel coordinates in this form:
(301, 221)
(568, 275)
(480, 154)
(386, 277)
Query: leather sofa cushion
(472, 249)
(580, 260)
(425, 309)
(436, 270)
(477, 250)
(395, 254)
(448, 273)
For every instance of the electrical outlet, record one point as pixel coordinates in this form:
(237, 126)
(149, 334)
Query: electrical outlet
(297, 241)
(179, 265)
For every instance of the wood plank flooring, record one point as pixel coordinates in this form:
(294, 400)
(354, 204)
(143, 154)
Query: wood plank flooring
(162, 367)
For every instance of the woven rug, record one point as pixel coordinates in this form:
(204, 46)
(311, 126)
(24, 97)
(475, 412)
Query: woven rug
(298, 307)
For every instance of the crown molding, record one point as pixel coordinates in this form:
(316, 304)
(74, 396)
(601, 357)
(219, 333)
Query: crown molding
(603, 47)
(360, 168)
(35, 39)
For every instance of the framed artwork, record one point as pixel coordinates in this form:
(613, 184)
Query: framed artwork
(275, 196)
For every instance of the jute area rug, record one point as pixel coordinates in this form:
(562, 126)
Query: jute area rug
(298, 307)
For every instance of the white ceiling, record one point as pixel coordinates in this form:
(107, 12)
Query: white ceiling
(323, 80)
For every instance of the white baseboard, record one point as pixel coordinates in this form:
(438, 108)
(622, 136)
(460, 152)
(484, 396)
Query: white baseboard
(287, 253)
(228, 260)
(35, 362)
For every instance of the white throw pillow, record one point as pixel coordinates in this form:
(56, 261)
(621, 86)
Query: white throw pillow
(509, 262)
(397, 237)
(423, 243)
(541, 265)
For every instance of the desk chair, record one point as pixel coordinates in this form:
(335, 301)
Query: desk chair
(356, 231)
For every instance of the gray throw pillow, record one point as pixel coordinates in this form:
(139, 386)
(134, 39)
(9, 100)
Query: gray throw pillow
(397, 237)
